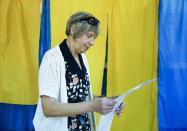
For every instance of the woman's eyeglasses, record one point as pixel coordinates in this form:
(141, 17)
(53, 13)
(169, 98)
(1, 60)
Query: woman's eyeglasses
(90, 20)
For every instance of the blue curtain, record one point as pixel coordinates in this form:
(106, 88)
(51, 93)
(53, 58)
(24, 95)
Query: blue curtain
(45, 30)
(16, 117)
(172, 66)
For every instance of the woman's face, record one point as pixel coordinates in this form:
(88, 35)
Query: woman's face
(84, 42)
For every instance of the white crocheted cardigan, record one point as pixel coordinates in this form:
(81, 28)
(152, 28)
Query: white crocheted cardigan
(52, 83)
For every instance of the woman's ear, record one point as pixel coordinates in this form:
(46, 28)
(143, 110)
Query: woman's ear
(72, 30)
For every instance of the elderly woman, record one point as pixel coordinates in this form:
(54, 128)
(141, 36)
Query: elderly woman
(64, 81)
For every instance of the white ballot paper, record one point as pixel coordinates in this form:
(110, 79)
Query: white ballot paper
(106, 120)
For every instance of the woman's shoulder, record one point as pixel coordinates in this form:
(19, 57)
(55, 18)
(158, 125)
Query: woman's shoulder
(52, 54)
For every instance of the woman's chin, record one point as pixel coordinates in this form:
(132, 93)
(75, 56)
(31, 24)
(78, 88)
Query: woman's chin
(83, 51)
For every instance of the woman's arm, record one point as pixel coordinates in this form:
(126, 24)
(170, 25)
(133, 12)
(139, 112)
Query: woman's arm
(52, 108)
(95, 96)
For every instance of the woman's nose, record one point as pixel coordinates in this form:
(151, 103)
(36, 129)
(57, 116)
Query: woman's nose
(91, 41)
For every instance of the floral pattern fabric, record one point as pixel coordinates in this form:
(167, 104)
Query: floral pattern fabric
(77, 83)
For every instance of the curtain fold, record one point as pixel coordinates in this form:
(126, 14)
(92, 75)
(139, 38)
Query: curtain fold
(45, 30)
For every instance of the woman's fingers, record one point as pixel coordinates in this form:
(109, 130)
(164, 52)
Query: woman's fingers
(104, 105)
(120, 109)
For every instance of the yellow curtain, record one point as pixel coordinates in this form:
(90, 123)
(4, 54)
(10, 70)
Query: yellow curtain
(19, 39)
(132, 60)
(132, 53)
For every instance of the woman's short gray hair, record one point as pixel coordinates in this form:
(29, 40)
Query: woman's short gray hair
(82, 27)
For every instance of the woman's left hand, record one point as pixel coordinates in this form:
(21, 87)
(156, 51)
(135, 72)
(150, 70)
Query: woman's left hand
(120, 109)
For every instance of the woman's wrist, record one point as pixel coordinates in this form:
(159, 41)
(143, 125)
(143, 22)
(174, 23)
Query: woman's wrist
(92, 105)
(96, 96)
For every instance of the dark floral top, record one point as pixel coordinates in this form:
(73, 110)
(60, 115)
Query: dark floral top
(77, 82)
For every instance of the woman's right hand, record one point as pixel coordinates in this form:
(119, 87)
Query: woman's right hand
(103, 105)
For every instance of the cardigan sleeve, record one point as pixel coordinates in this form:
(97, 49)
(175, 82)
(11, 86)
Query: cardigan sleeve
(48, 77)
